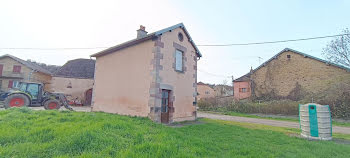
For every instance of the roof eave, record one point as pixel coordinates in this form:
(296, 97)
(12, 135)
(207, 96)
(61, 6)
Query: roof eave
(148, 37)
(123, 45)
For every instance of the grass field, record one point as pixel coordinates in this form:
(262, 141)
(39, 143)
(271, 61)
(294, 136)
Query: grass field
(27, 133)
(231, 113)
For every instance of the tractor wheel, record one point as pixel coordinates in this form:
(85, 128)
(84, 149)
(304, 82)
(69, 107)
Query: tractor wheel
(52, 104)
(16, 100)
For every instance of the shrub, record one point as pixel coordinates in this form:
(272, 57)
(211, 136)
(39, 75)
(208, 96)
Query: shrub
(283, 107)
(207, 104)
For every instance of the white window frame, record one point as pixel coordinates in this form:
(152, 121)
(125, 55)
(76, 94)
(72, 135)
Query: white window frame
(15, 84)
(179, 60)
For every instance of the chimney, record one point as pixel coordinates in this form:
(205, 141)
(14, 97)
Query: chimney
(141, 32)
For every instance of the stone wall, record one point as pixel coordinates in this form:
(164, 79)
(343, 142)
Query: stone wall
(204, 91)
(296, 77)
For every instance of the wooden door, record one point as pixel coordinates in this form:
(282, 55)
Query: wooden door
(88, 97)
(165, 106)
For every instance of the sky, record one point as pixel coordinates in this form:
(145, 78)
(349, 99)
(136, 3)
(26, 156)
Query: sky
(105, 23)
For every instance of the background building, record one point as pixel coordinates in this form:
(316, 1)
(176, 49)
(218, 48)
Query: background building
(293, 75)
(13, 70)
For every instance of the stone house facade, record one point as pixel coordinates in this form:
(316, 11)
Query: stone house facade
(205, 91)
(291, 74)
(154, 75)
(13, 70)
(75, 79)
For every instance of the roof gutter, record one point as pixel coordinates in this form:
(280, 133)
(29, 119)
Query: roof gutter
(122, 46)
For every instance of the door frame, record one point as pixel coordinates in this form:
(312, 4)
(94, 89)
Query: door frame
(165, 116)
(86, 96)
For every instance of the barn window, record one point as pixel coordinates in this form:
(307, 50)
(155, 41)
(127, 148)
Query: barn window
(179, 60)
(16, 69)
(243, 90)
(288, 56)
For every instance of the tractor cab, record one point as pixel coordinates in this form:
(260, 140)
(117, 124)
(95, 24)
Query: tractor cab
(35, 91)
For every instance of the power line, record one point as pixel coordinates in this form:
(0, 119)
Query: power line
(269, 42)
(12, 48)
(203, 45)
(212, 74)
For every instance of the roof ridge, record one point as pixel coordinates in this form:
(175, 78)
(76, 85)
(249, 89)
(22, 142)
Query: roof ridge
(298, 52)
(147, 37)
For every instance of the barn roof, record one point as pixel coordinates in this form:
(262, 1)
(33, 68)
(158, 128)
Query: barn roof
(77, 68)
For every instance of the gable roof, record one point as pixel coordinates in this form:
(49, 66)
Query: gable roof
(147, 37)
(28, 64)
(243, 78)
(77, 68)
(247, 76)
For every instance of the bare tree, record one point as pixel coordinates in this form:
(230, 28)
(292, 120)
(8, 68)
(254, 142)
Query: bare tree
(338, 50)
(224, 82)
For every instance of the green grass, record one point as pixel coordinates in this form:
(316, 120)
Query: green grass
(27, 133)
(231, 113)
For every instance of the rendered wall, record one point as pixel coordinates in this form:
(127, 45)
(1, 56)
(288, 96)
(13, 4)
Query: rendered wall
(79, 86)
(241, 95)
(122, 81)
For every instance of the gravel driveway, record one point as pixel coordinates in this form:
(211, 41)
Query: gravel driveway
(288, 124)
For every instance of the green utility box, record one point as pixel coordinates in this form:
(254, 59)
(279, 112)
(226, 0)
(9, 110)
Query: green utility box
(315, 121)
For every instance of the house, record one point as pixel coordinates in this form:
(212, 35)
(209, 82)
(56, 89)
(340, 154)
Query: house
(13, 70)
(205, 91)
(223, 90)
(153, 75)
(75, 79)
(290, 74)
(242, 87)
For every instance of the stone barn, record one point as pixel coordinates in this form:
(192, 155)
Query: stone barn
(291, 74)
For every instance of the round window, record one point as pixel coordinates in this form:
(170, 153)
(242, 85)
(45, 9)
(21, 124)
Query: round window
(180, 36)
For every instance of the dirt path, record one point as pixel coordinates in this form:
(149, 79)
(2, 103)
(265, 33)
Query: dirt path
(336, 129)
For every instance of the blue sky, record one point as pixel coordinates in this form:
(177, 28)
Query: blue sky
(64, 23)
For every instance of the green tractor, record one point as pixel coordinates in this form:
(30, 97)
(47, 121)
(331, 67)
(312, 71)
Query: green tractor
(33, 94)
